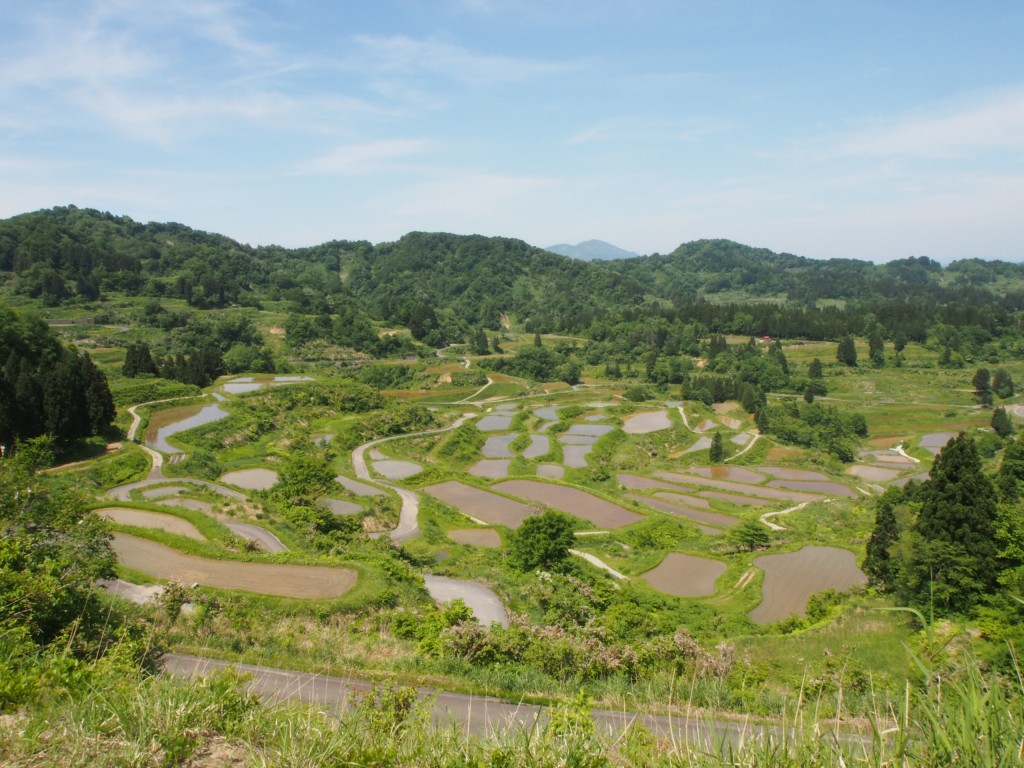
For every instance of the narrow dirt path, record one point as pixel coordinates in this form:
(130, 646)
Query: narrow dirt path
(747, 447)
(775, 526)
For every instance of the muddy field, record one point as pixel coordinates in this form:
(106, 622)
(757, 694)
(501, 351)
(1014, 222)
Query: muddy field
(497, 447)
(490, 468)
(736, 474)
(480, 505)
(790, 579)
(358, 488)
(478, 537)
(301, 581)
(393, 469)
(774, 494)
(604, 514)
(874, 474)
(155, 520)
(539, 445)
(685, 575)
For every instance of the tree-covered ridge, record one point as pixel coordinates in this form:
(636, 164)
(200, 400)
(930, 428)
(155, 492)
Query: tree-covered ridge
(46, 388)
(446, 287)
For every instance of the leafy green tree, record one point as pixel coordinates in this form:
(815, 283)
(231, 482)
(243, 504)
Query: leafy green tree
(542, 541)
(716, 453)
(537, 340)
(1001, 422)
(815, 369)
(1002, 383)
(876, 347)
(138, 360)
(954, 551)
(846, 353)
(750, 535)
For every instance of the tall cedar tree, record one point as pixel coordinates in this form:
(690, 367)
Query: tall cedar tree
(1001, 422)
(954, 551)
(717, 450)
(878, 563)
(847, 351)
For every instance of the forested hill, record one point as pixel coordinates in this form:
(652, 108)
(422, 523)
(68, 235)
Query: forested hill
(429, 281)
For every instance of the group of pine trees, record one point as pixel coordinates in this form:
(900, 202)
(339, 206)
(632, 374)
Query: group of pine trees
(45, 387)
(950, 545)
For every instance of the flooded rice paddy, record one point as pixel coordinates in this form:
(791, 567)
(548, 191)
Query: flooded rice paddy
(602, 513)
(255, 479)
(685, 575)
(790, 579)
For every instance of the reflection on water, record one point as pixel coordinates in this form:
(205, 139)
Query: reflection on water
(240, 384)
(171, 421)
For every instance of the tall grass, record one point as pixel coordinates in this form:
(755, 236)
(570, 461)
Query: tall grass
(111, 715)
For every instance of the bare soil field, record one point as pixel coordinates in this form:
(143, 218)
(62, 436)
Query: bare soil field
(479, 504)
(142, 519)
(301, 581)
(604, 514)
(790, 579)
(685, 575)
(477, 537)
(696, 515)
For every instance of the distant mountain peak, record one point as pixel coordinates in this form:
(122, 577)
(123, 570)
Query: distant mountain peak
(592, 250)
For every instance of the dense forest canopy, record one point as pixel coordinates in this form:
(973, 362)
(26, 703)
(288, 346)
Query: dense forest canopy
(445, 287)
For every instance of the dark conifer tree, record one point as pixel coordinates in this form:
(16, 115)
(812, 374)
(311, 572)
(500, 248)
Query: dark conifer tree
(954, 549)
(716, 453)
(1001, 422)
(878, 562)
(847, 351)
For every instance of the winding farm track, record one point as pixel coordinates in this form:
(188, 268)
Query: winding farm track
(408, 526)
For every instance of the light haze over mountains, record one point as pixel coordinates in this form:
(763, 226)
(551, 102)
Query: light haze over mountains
(592, 250)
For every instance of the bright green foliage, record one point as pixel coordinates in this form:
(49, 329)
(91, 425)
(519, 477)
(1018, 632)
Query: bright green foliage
(953, 558)
(542, 541)
(1001, 422)
(814, 369)
(303, 475)
(750, 535)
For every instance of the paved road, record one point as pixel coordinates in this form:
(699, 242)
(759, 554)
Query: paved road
(479, 715)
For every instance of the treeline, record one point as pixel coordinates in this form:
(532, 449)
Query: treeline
(45, 387)
(446, 288)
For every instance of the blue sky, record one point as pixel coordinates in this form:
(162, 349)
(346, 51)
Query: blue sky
(827, 128)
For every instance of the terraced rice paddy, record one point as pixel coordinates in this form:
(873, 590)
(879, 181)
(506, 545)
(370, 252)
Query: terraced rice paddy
(256, 479)
(788, 473)
(166, 490)
(644, 423)
(339, 506)
(495, 422)
(539, 445)
(300, 581)
(685, 575)
(816, 486)
(602, 513)
(873, 474)
(171, 421)
(702, 516)
(497, 447)
(158, 521)
(480, 505)
(393, 469)
(358, 488)
(193, 504)
(790, 579)
(551, 471)
(936, 441)
(490, 468)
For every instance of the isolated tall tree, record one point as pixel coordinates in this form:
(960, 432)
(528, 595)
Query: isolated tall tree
(542, 541)
(815, 370)
(879, 563)
(717, 451)
(847, 351)
(954, 547)
(982, 383)
(1011, 471)
(1002, 383)
(876, 347)
(1001, 422)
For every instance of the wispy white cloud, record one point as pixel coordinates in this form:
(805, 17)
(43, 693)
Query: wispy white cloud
(401, 55)
(359, 159)
(646, 129)
(997, 122)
